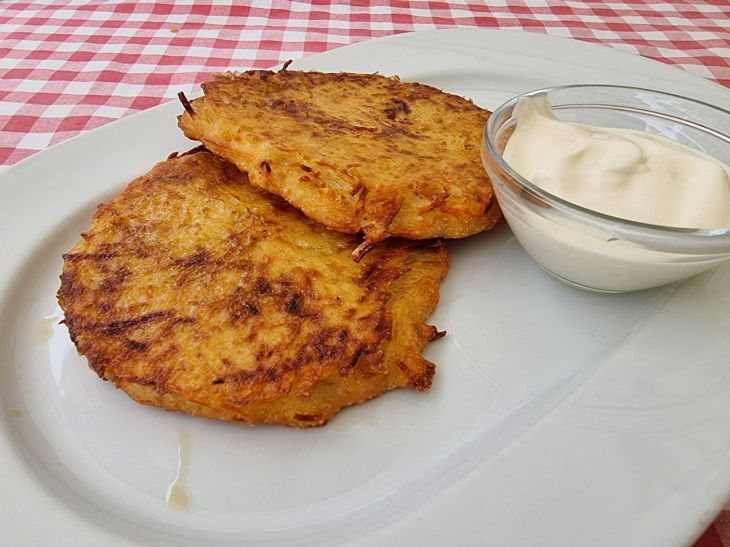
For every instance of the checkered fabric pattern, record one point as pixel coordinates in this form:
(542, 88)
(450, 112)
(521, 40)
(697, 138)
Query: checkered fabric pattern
(69, 66)
(73, 65)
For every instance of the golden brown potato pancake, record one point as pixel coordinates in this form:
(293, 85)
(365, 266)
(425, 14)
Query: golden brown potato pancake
(197, 292)
(355, 152)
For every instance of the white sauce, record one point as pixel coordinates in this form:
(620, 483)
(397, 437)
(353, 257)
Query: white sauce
(619, 172)
(626, 174)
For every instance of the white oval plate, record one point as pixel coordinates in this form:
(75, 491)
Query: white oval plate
(556, 418)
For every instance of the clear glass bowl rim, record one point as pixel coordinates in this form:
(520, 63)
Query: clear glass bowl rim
(697, 234)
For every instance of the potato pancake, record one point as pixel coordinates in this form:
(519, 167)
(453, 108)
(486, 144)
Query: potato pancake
(355, 152)
(196, 292)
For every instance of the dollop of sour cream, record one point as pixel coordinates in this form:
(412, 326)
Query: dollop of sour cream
(619, 172)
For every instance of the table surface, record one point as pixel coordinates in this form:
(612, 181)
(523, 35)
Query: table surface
(71, 66)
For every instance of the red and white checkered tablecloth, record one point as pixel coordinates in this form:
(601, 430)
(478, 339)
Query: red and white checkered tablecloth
(68, 66)
(73, 65)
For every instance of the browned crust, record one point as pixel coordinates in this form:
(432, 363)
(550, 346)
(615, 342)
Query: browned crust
(355, 152)
(196, 292)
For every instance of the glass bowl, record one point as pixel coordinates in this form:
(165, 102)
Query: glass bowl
(591, 250)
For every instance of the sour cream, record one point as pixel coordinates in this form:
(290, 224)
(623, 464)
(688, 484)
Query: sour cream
(619, 172)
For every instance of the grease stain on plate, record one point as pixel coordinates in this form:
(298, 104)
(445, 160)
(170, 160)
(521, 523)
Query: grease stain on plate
(12, 412)
(178, 496)
(44, 329)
